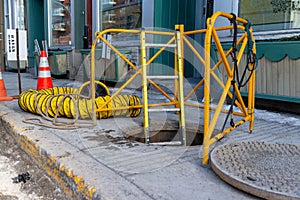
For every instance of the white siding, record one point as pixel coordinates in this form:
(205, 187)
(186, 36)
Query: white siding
(275, 78)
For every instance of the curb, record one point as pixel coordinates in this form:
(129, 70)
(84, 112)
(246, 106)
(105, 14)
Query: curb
(72, 184)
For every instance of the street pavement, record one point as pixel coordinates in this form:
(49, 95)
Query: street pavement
(100, 163)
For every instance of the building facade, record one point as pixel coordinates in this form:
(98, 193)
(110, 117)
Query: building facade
(277, 33)
(68, 26)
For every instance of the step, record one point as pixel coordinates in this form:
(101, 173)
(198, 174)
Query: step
(172, 143)
(164, 110)
(162, 77)
(160, 45)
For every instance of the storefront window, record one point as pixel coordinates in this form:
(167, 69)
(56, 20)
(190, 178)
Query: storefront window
(271, 15)
(121, 14)
(60, 22)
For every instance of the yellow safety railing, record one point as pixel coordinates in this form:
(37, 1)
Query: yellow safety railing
(246, 113)
(179, 38)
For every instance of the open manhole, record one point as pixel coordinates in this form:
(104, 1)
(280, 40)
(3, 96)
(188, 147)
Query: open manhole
(168, 132)
(193, 137)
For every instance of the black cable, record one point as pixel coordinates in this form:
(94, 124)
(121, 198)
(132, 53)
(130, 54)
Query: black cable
(251, 59)
(233, 56)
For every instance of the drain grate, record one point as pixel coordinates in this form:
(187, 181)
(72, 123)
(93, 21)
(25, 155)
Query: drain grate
(267, 170)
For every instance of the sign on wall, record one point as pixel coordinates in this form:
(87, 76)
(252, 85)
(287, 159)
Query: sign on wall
(11, 44)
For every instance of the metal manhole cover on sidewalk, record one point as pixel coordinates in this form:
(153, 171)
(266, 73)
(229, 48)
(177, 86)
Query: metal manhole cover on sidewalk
(266, 170)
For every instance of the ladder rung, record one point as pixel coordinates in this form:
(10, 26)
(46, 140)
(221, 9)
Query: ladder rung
(134, 44)
(130, 43)
(163, 109)
(162, 77)
(160, 45)
(167, 143)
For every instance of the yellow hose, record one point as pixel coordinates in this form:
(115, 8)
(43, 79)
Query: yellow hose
(67, 102)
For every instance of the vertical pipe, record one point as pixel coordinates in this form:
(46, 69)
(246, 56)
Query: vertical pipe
(144, 85)
(206, 91)
(9, 12)
(251, 99)
(18, 61)
(177, 27)
(180, 86)
(96, 17)
(92, 80)
(49, 22)
(251, 87)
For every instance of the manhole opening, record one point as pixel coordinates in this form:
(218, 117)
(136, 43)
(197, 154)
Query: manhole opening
(168, 132)
(193, 136)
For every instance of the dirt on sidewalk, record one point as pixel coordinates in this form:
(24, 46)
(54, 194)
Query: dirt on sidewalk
(14, 162)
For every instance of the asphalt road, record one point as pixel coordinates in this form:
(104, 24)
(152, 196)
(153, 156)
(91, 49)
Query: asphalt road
(14, 162)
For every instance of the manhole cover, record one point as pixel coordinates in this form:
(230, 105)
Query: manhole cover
(267, 170)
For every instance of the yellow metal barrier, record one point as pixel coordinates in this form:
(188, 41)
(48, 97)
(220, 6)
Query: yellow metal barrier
(246, 113)
(179, 39)
(173, 42)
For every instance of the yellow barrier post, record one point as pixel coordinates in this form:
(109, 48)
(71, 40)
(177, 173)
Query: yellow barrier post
(92, 80)
(206, 92)
(180, 28)
(144, 85)
(180, 83)
(251, 88)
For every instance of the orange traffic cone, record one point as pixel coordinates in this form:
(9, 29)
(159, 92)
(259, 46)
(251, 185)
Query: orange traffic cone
(3, 96)
(44, 78)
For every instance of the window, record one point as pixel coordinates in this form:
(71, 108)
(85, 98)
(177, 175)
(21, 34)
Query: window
(271, 15)
(60, 22)
(121, 14)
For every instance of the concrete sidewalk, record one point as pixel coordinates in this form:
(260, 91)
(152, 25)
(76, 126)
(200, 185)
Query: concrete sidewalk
(99, 163)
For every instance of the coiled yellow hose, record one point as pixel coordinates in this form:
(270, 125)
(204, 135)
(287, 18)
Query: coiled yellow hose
(67, 102)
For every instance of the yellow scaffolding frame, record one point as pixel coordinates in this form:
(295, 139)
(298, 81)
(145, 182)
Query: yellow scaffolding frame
(179, 38)
(247, 113)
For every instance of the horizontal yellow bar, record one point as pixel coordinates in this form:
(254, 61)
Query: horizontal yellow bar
(194, 32)
(160, 33)
(136, 107)
(211, 108)
(119, 108)
(116, 30)
(221, 28)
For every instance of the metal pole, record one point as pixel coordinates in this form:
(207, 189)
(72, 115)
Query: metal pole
(144, 85)
(92, 81)
(18, 62)
(180, 84)
(207, 91)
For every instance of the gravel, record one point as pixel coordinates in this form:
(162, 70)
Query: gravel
(14, 162)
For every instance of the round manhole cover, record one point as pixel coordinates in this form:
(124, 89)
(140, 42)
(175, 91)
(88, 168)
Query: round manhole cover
(267, 170)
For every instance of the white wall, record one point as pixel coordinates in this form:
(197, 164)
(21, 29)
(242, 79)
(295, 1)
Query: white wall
(229, 6)
(148, 13)
(96, 17)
